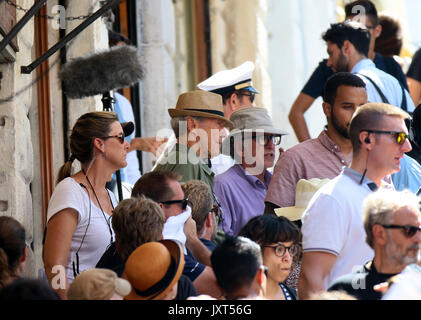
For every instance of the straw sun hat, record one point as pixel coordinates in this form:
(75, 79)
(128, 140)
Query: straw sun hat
(153, 269)
(305, 190)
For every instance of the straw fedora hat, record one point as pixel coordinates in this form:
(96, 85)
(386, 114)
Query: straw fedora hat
(200, 103)
(305, 190)
(153, 269)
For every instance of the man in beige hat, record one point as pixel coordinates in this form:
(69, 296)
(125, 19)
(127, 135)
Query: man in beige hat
(242, 188)
(236, 89)
(199, 125)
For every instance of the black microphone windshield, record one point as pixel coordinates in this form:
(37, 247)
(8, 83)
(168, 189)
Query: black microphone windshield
(116, 68)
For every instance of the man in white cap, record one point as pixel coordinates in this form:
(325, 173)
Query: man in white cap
(237, 91)
(242, 188)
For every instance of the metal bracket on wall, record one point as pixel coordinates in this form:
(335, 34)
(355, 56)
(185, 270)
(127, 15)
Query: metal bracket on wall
(18, 26)
(109, 4)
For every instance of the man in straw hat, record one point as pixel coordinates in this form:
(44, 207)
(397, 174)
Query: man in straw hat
(333, 232)
(242, 188)
(237, 91)
(199, 125)
(324, 156)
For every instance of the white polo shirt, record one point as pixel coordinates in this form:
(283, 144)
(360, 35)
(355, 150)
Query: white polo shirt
(333, 223)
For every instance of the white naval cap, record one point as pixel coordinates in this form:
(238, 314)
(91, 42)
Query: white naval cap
(230, 80)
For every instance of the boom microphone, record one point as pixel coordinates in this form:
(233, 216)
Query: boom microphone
(116, 68)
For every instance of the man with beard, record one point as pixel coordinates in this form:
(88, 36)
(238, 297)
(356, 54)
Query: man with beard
(332, 225)
(347, 46)
(324, 156)
(361, 10)
(392, 222)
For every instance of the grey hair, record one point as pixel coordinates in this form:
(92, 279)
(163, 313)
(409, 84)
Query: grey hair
(378, 208)
(175, 123)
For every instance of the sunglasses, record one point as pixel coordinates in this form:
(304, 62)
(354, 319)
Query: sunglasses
(408, 231)
(183, 202)
(280, 249)
(120, 138)
(400, 137)
(251, 95)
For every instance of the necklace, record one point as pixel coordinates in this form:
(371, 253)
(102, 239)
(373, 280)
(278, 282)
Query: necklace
(99, 203)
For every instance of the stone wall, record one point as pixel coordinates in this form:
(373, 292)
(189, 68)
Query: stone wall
(16, 149)
(156, 40)
(238, 34)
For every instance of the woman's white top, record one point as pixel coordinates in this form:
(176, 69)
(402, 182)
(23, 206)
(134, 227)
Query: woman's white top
(93, 230)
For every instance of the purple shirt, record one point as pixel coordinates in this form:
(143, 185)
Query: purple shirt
(241, 196)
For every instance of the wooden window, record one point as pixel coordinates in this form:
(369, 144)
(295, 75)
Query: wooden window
(7, 21)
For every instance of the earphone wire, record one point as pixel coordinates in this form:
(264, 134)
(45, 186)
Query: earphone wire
(365, 170)
(76, 269)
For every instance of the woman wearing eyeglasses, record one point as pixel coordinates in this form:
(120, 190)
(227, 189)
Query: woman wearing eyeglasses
(78, 227)
(279, 241)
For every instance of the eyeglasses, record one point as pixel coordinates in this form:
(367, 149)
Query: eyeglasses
(120, 138)
(400, 137)
(264, 139)
(280, 249)
(408, 231)
(251, 95)
(183, 202)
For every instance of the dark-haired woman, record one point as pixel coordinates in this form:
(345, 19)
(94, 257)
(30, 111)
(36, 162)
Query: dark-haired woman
(12, 250)
(279, 241)
(79, 213)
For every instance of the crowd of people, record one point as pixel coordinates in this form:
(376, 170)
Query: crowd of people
(339, 217)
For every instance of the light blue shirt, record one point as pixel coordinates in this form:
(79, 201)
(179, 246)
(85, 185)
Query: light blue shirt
(123, 108)
(388, 85)
(409, 177)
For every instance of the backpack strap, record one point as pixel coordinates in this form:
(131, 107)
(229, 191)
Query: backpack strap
(404, 104)
(384, 99)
